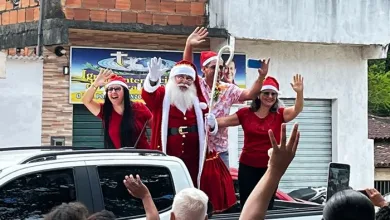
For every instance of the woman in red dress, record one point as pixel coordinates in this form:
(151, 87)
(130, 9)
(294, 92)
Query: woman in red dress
(266, 112)
(124, 121)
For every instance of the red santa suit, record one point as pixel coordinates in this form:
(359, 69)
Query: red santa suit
(207, 170)
(173, 132)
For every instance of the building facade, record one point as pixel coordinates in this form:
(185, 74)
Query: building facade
(329, 43)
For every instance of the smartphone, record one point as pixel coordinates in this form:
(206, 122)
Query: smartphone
(338, 178)
(254, 64)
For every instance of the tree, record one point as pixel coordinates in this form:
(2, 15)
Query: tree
(378, 88)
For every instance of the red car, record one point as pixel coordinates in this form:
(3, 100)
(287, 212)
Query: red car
(279, 194)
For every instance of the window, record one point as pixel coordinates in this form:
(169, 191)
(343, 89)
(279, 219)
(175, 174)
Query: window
(33, 195)
(118, 200)
(382, 186)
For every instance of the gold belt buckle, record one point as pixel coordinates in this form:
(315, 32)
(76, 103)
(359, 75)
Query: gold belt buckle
(181, 130)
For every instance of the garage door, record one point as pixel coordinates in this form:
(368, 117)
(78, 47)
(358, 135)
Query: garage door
(87, 128)
(310, 165)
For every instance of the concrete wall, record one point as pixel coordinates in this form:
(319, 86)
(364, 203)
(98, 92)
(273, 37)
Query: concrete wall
(21, 103)
(382, 174)
(331, 21)
(330, 72)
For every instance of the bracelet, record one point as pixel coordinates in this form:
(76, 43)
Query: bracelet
(95, 87)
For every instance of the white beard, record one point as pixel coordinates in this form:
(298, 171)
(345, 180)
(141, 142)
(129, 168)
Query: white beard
(183, 100)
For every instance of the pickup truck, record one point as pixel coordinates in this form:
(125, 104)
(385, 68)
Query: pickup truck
(35, 179)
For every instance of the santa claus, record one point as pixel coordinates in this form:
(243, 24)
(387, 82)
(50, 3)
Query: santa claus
(178, 113)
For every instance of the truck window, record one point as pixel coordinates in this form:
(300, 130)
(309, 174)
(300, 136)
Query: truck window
(121, 203)
(31, 196)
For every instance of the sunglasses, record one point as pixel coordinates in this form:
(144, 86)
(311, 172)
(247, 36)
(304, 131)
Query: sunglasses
(273, 94)
(117, 89)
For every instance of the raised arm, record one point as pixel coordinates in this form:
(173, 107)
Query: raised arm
(87, 99)
(137, 189)
(249, 94)
(197, 37)
(292, 112)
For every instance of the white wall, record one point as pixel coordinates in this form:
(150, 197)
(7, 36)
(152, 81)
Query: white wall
(327, 21)
(330, 72)
(21, 104)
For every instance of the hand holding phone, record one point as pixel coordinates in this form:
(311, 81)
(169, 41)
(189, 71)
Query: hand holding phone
(338, 178)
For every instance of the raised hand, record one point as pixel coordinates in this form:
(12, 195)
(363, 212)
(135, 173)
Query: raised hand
(263, 71)
(297, 83)
(282, 155)
(135, 187)
(155, 69)
(197, 37)
(103, 76)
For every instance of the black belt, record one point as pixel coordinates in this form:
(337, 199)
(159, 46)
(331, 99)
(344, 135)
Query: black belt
(182, 130)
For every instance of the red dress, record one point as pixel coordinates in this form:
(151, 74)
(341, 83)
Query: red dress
(141, 116)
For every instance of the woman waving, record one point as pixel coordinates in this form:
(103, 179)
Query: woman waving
(266, 112)
(124, 121)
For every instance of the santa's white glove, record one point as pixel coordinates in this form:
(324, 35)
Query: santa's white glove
(155, 69)
(211, 122)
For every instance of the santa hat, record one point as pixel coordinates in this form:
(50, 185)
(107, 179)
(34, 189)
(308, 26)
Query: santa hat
(183, 68)
(117, 80)
(207, 56)
(270, 83)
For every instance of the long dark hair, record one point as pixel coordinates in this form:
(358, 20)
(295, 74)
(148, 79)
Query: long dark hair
(256, 103)
(127, 128)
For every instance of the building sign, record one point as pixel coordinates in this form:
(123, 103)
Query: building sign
(130, 64)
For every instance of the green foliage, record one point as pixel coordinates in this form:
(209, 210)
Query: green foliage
(378, 88)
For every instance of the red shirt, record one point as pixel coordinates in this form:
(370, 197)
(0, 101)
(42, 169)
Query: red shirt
(141, 115)
(256, 139)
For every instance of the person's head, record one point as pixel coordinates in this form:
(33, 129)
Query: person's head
(383, 213)
(117, 94)
(102, 215)
(208, 61)
(66, 212)
(81, 207)
(181, 85)
(232, 69)
(190, 204)
(349, 205)
(268, 97)
(116, 91)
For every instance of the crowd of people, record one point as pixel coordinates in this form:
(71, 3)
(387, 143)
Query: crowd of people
(183, 126)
